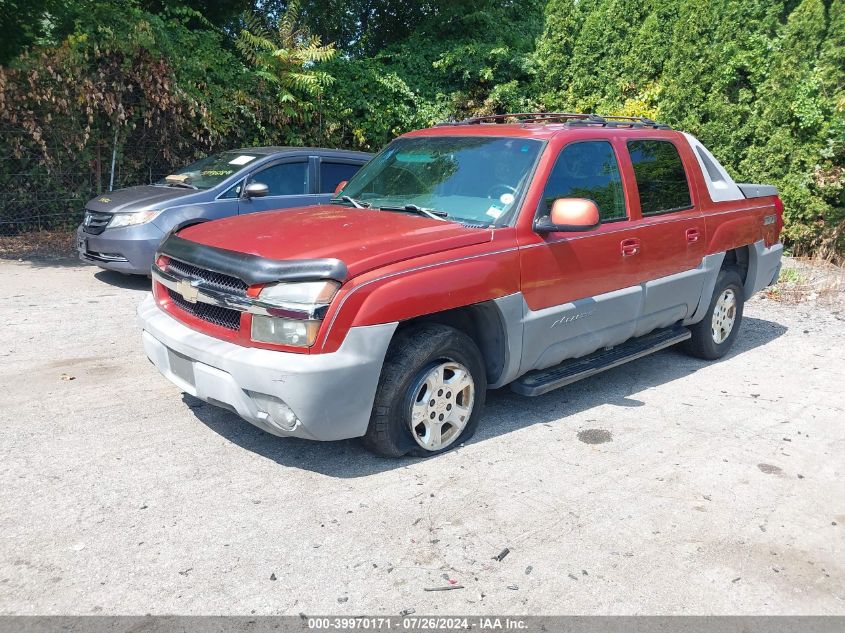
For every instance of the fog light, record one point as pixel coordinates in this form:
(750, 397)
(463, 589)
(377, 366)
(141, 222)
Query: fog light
(274, 411)
(284, 331)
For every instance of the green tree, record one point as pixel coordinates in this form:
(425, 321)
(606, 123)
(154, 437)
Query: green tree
(798, 124)
(760, 82)
(562, 24)
(286, 57)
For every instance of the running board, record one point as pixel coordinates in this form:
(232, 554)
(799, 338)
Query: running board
(536, 383)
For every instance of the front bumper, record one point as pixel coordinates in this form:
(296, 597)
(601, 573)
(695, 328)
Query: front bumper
(331, 395)
(127, 250)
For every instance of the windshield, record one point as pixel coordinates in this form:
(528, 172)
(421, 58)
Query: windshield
(470, 178)
(210, 171)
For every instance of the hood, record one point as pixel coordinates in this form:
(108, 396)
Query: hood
(142, 198)
(363, 239)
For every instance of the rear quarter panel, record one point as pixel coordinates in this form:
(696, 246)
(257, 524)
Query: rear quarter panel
(733, 223)
(737, 223)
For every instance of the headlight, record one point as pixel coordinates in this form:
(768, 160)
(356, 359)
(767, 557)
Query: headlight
(130, 219)
(304, 301)
(306, 293)
(284, 331)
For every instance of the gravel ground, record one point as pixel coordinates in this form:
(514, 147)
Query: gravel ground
(666, 486)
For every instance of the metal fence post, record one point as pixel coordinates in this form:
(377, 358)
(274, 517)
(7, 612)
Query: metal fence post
(113, 156)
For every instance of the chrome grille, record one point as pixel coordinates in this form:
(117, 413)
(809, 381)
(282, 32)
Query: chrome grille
(95, 222)
(223, 317)
(218, 281)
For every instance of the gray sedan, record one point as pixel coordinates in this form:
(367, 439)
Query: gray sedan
(122, 229)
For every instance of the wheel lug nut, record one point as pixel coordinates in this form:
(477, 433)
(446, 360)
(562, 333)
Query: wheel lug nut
(431, 404)
(440, 393)
(432, 415)
(448, 407)
(441, 417)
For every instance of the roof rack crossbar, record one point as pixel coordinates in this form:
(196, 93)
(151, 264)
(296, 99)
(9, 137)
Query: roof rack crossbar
(574, 118)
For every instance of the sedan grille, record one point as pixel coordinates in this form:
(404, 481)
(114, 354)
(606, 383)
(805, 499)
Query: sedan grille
(217, 315)
(209, 278)
(95, 222)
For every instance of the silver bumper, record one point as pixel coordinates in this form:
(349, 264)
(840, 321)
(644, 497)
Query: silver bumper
(330, 395)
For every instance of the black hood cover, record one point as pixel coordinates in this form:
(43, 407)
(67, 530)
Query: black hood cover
(251, 268)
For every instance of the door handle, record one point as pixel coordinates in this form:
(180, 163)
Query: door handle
(630, 246)
(693, 235)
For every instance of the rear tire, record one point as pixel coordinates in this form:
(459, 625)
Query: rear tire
(714, 335)
(430, 394)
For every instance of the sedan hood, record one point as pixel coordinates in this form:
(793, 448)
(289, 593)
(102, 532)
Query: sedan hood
(143, 198)
(363, 239)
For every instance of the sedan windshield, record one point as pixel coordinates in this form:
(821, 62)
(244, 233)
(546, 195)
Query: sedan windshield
(474, 179)
(210, 171)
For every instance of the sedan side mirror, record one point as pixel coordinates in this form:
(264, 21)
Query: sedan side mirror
(256, 190)
(569, 214)
(340, 187)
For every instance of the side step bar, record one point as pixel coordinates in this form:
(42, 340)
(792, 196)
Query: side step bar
(536, 383)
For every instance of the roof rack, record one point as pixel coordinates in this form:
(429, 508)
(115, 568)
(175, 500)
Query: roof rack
(572, 119)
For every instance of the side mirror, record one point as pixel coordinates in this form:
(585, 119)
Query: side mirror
(569, 214)
(340, 187)
(256, 190)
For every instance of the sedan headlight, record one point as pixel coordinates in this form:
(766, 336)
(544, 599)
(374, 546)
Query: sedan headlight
(130, 219)
(294, 311)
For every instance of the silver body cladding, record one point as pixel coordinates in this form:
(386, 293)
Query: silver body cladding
(330, 396)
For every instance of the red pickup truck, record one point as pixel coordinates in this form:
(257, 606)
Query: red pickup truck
(527, 250)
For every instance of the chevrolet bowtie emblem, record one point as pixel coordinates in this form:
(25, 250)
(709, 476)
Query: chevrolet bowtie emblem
(188, 290)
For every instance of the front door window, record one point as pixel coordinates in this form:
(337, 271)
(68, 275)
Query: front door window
(588, 170)
(284, 179)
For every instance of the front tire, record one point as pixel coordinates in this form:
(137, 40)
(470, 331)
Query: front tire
(714, 335)
(430, 394)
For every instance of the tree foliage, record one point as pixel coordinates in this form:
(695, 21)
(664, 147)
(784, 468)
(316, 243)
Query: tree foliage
(761, 82)
(287, 58)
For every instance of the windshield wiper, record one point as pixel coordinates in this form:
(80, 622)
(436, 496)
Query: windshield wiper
(434, 214)
(355, 203)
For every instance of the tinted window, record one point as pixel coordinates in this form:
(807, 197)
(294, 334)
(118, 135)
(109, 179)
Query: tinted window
(587, 170)
(332, 174)
(661, 179)
(286, 179)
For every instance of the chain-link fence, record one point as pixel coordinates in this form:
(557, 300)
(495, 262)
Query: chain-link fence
(45, 186)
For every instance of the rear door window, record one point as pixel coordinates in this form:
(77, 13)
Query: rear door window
(332, 174)
(661, 178)
(284, 179)
(587, 169)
